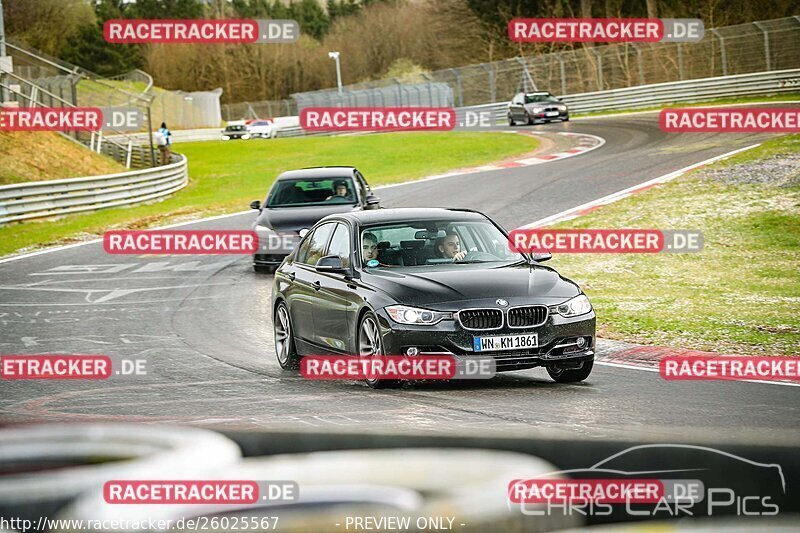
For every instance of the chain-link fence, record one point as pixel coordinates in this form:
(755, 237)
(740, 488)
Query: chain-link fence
(745, 48)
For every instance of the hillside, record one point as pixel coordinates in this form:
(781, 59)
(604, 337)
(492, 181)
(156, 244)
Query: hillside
(37, 156)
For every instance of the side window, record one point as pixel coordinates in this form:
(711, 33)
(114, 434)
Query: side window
(316, 244)
(362, 186)
(340, 244)
(302, 252)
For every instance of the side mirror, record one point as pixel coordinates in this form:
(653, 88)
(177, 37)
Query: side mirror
(255, 204)
(541, 257)
(331, 263)
(373, 200)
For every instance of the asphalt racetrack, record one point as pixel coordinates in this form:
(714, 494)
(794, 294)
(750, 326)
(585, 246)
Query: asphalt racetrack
(203, 326)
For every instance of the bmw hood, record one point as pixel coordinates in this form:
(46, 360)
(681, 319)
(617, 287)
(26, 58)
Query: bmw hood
(435, 288)
(293, 219)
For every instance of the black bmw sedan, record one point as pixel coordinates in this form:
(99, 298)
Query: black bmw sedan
(418, 282)
(297, 200)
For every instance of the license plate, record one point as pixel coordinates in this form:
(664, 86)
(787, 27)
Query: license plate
(552, 113)
(506, 342)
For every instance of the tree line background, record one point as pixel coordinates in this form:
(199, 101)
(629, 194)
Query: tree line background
(376, 38)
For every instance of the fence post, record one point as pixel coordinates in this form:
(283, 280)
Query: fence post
(767, 59)
(599, 57)
(457, 76)
(91, 142)
(681, 72)
(640, 60)
(563, 74)
(128, 156)
(490, 74)
(99, 141)
(722, 52)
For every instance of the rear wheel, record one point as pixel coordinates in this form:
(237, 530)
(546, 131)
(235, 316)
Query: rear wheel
(570, 375)
(285, 349)
(370, 345)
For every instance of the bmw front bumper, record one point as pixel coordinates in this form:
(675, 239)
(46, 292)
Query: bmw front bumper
(556, 341)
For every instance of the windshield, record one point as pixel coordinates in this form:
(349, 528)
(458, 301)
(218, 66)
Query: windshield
(311, 191)
(537, 98)
(444, 242)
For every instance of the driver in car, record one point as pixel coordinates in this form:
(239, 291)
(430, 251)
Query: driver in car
(449, 247)
(340, 191)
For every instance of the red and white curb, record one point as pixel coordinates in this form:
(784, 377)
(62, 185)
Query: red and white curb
(588, 207)
(583, 143)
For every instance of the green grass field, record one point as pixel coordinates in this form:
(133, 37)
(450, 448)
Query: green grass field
(227, 175)
(741, 294)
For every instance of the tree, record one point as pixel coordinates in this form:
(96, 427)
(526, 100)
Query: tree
(46, 24)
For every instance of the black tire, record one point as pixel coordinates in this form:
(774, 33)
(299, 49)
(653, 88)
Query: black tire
(511, 120)
(264, 269)
(371, 340)
(570, 375)
(530, 120)
(565, 119)
(285, 349)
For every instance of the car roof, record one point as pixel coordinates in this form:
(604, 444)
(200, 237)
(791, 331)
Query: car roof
(413, 214)
(317, 172)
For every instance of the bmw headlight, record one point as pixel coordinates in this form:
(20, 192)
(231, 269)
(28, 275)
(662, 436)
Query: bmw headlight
(403, 314)
(562, 108)
(538, 109)
(577, 306)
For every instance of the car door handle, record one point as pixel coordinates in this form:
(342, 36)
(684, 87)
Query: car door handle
(317, 285)
(290, 275)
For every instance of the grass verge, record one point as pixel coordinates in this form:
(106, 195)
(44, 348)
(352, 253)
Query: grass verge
(739, 295)
(226, 176)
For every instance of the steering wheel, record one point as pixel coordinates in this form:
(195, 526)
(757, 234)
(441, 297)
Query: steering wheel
(478, 256)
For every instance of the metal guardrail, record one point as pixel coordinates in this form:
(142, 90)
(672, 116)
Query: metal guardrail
(45, 199)
(665, 93)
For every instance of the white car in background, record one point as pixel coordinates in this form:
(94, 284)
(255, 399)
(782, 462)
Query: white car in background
(264, 129)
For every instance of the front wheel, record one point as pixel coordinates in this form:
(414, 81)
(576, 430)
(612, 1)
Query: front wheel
(511, 120)
(285, 349)
(570, 375)
(370, 345)
(530, 120)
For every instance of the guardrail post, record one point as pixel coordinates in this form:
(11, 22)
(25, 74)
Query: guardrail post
(91, 142)
(767, 58)
(722, 52)
(128, 156)
(457, 76)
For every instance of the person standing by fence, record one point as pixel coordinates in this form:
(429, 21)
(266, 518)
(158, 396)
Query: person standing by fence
(164, 143)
